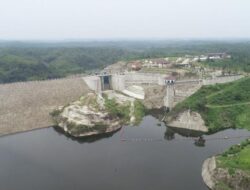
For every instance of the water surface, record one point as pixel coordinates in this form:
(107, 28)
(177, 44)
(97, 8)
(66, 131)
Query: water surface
(146, 157)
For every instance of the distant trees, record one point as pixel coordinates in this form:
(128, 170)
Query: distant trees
(22, 62)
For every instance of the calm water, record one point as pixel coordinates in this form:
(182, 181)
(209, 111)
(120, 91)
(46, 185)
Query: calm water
(147, 157)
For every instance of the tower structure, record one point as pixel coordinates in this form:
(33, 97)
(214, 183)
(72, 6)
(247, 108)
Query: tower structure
(170, 92)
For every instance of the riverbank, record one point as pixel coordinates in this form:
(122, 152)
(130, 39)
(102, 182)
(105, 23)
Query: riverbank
(220, 106)
(208, 168)
(25, 106)
(188, 120)
(229, 170)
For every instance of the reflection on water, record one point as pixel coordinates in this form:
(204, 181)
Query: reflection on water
(169, 134)
(158, 113)
(196, 135)
(200, 141)
(184, 132)
(82, 140)
(47, 159)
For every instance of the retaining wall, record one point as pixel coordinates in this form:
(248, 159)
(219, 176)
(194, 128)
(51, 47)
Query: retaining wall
(93, 82)
(221, 80)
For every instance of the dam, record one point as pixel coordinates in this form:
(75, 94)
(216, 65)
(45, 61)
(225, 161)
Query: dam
(26, 106)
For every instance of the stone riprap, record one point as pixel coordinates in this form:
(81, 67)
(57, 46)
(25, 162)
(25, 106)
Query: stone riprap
(26, 106)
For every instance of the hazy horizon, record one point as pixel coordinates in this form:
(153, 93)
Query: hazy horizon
(74, 20)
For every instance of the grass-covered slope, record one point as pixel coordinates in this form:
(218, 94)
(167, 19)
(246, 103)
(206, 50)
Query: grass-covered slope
(221, 106)
(233, 168)
(237, 157)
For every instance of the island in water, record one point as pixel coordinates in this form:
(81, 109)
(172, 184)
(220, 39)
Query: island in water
(95, 114)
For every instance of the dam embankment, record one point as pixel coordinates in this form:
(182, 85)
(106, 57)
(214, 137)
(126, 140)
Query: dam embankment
(26, 106)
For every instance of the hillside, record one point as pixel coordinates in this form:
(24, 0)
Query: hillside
(20, 61)
(39, 63)
(221, 106)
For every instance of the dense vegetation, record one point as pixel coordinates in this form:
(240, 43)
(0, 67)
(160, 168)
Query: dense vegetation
(22, 64)
(118, 110)
(139, 111)
(221, 106)
(36, 61)
(240, 61)
(123, 111)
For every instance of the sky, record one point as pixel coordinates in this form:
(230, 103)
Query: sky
(123, 19)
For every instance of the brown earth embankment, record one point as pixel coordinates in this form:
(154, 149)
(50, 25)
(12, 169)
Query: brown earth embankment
(26, 106)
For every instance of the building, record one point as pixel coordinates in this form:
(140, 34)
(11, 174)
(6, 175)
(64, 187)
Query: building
(157, 63)
(136, 66)
(214, 56)
(203, 58)
(170, 80)
(162, 63)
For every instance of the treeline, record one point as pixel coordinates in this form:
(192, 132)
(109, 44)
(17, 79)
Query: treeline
(22, 64)
(240, 60)
(37, 61)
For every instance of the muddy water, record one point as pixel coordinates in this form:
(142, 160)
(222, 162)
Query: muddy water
(146, 157)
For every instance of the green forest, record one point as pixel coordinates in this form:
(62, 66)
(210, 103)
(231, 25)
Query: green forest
(22, 64)
(23, 61)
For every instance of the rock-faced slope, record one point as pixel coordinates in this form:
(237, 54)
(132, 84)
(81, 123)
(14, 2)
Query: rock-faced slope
(26, 106)
(95, 114)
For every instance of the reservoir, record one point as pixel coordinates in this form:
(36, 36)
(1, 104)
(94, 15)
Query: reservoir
(145, 157)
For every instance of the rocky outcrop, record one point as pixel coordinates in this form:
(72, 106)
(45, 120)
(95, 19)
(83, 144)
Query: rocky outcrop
(217, 178)
(240, 180)
(95, 114)
(188, 120)
(86, 117)
(208, 169)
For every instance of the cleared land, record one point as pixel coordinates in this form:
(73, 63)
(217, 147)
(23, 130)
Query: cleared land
(26, 106)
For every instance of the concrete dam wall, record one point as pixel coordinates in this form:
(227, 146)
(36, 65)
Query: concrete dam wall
(26, 105)
(121, 81)
(221, 80)
(175, 93)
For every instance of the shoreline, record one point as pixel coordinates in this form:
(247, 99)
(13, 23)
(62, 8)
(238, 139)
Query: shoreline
(25, 131)
(208, 167)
